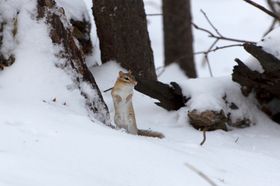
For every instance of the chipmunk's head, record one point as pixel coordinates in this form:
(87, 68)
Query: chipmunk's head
(127, 78)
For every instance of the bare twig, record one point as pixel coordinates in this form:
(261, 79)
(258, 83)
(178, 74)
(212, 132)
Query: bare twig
(160, 71)
(218, 48)
(272, 5)
(204, 137)
(201, 174)
(108, 89)
(236, 140)
(211, 34)
(155, 14)
(217, 35)
(207, 61)
(271, 27)
(210, 23)
(206, 58)
(272, 14)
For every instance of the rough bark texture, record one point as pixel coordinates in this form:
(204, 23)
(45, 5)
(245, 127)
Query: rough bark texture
(122, 31)
(61, 34)
(81, 31)
(178, 37)
(266, 85)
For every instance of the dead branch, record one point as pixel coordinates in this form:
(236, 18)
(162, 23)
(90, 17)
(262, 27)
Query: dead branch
(107, 90)
(210, 22)
(219, 48)
(221, 37)
(160, 71)
(155, 14)
(265, 85)
(271, 27)
(211, 49)
(218, 35)
(204, 137)
(268, 12)
(272, 5)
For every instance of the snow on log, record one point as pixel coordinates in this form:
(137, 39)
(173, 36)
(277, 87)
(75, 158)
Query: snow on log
(217, 103)
(210, 103)
(73, 57)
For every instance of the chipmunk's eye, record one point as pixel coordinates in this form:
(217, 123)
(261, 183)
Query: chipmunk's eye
(126, 78)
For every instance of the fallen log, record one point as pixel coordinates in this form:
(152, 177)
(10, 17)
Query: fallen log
(265, 85)
(170, 97)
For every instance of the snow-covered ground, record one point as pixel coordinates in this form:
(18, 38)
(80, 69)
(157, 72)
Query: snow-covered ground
(48, 143)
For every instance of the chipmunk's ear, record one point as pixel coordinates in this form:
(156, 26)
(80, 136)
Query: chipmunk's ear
(121, 73)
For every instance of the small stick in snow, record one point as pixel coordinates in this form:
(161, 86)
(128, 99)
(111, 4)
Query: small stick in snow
(108, 89)
(236, 140)
(204, 137)
(201, 174)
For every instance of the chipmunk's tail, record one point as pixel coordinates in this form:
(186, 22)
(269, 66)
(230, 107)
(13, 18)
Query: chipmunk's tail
(150, 133)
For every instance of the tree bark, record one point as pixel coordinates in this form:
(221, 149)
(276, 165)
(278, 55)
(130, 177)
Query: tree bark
(122, 31)
(170, 97)
(61, 33)
(265, 85)
(178, 39)
(81, 31)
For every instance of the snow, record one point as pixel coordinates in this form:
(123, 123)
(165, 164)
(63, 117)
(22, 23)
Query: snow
(45, 142)
(271, 43)
(74, 9)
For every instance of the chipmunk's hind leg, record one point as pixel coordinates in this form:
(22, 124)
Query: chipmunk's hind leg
(132, 128)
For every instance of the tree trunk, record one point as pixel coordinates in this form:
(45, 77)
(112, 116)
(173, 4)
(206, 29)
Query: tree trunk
(122, 31)
(61, 33)
(178, 37)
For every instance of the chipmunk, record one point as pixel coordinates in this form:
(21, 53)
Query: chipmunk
(122, 93)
